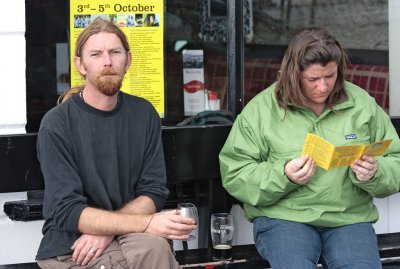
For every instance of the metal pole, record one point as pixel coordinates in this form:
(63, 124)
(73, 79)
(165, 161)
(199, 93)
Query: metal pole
(235, 56)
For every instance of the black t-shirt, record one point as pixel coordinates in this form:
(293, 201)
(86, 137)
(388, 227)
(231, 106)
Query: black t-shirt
(96, 158)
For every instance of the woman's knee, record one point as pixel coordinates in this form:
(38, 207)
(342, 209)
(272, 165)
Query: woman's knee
(276, 240)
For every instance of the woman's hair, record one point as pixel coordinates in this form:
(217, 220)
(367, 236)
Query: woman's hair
(97, 26)
(309, 46)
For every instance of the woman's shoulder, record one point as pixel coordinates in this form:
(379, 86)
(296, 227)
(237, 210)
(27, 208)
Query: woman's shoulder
(265, 100)
(360, 97)
(355, 90)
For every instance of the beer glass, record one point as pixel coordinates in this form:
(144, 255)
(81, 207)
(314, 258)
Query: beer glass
(189, 210)
(222, 229)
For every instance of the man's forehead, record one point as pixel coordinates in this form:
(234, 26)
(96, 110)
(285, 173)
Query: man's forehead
(103, 40)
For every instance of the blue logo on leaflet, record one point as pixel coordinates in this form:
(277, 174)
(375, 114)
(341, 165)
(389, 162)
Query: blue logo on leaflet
(350, 136)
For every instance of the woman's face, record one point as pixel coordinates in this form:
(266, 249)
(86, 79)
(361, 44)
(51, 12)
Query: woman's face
(317, 84)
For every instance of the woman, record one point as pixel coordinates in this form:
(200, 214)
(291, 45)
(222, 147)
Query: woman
(302, 212)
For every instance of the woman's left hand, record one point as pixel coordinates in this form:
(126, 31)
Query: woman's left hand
(365, 168)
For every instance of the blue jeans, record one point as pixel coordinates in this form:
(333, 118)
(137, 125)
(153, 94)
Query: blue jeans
(287, 244)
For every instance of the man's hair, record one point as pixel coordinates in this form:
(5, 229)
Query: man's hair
(309, 46)
(99, 26)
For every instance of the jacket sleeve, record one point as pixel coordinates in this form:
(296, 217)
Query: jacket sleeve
(246, 171)
(387, 178)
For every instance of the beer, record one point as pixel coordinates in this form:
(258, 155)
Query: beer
(222, 228)
(222, 252)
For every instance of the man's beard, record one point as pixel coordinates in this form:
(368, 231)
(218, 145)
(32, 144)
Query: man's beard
(109, 81)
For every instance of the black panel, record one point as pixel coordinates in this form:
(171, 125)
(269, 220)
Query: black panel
(396, 123)
(19, 167)
(191, 153)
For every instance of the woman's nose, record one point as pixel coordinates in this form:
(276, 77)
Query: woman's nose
(322, 85)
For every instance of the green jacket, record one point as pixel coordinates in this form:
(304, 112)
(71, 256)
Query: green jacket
(263, 140)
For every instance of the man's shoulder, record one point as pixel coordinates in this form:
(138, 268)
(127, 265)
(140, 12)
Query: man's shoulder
(56, 112)
(137, 105)
(133, 99)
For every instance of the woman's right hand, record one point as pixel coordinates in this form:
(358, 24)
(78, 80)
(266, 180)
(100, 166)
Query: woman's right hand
(300, 170)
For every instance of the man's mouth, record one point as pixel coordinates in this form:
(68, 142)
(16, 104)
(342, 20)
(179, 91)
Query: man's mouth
(109, 74)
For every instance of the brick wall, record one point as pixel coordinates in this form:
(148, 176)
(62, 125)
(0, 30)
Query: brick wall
(259, 73)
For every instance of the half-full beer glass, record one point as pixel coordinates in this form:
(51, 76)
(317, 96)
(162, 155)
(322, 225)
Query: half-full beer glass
(222, 229)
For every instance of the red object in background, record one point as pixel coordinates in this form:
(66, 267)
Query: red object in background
(210, 266)
(212, 95)
(193, 86)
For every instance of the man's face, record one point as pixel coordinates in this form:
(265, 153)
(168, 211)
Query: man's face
(104, 63)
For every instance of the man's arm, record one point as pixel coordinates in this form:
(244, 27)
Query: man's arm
(133, 217)
(101, 222)
(142, 205)
(165, 224)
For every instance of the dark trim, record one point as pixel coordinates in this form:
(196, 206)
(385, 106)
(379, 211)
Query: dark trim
(235, 56)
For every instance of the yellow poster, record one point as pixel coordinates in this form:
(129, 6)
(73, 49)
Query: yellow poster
(142, 22)
(328, 156)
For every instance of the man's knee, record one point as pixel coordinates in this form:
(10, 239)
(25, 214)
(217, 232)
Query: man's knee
(145, 244)
(147, 251)
(157, 243)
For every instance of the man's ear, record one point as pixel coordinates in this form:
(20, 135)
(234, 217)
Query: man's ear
(128, 61)
(80, 66)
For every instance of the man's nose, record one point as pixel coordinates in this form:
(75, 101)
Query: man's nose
(107, 59)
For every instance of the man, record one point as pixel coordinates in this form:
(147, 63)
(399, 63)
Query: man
(102, 159)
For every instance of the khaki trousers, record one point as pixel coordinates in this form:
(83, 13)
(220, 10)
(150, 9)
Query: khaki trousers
(131, 251)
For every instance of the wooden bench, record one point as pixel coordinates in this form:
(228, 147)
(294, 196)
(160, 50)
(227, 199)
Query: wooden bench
(247, 257)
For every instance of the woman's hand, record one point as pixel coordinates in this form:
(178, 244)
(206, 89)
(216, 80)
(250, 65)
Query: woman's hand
(365, 168)
(300, 170)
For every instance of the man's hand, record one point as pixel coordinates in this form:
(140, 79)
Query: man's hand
(88, 247)
(170, 225)
(365, 168)
(300, 170)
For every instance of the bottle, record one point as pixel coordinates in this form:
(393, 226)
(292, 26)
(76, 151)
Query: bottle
(213, 101)
(206, 104)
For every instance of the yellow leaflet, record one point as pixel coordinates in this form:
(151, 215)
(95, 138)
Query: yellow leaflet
(328, 156)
